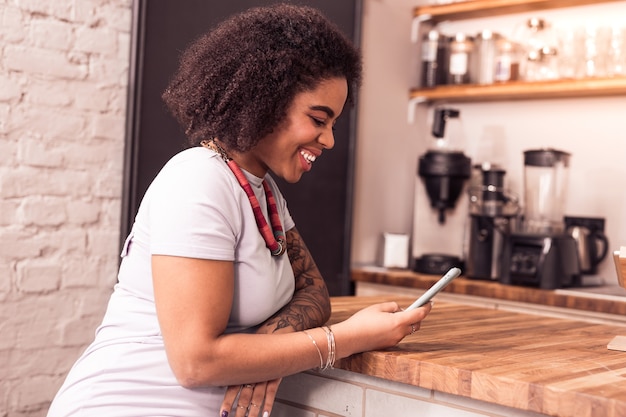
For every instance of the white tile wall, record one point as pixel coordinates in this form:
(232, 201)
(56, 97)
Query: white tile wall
(337, 393)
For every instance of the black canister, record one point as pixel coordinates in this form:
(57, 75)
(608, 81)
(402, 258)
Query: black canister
(434, 59)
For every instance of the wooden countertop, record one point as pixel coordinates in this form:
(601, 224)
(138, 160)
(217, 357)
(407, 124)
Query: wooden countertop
(592, 299)
(546, 365)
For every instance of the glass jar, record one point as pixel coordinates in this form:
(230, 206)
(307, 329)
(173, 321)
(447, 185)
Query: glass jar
(542, 65)
(434, 59)
(484, 57)
(507, 61)
(461, 49)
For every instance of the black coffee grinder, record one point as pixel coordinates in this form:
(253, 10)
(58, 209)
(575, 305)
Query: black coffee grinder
(443, 171)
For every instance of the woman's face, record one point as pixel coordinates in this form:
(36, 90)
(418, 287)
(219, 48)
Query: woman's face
(291, 149)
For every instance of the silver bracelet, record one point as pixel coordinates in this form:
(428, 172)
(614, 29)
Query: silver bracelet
(330, 339)
(319, 352)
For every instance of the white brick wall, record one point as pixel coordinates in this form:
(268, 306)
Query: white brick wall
(63, 80)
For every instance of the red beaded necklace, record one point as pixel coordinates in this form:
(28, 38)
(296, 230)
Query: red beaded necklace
(274, 238)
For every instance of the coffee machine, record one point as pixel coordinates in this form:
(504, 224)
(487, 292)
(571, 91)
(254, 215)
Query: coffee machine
(443, 170)
(541, 254)
(493, 211)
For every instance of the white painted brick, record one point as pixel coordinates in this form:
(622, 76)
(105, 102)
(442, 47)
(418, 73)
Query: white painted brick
(82, 213)
(18, 244)
(8, 211)
(48, 94)
(74, 331)
(103, 242)
(25, 181)
(79, 272)
(108, 126)
(8, 148)
(64, 241)
(42, 211)
(90, 97)
(29, 361)
(38, 276)
(108, 184)
(34, 153)
(9, 89)
(94, 155)
(92, 303)
(58, 123)
(27, 393)
(96, 40)
(12, 27)
(123, 40)
(59, 72)
(50, 34)
(4, 117)
(43, 61)
(7, 277)
(63, 10)
(107, 72)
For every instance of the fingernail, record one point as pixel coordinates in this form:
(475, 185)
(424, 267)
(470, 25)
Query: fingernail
(266, 414)
(225, 414)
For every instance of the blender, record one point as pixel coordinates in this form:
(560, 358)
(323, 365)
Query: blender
(541, 254)
(492, 214)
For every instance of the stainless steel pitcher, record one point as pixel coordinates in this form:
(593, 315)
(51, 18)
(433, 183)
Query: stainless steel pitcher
(592, 246)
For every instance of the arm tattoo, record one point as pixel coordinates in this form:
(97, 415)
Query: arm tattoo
(310, 305)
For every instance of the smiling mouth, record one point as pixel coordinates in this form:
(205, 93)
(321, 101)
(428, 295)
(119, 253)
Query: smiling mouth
(309, 157)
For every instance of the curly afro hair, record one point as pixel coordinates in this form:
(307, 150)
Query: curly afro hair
(237, 81)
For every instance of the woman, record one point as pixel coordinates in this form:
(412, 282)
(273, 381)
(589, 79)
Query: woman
(218, 297)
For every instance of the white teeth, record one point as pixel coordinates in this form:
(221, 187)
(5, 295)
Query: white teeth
(309, 157)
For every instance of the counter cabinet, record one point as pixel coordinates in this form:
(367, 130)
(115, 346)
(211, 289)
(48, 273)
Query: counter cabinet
(469, 361)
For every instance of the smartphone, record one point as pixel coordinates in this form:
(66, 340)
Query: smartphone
(437, 286)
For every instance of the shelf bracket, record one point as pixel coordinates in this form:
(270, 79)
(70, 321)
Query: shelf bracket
(415, 26)
(412, 108)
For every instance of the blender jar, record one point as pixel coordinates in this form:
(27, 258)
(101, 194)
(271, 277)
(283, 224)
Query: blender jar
(546, 174)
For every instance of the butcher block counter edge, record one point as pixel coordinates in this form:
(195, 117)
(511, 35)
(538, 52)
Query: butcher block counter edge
(553, 366)
(555, 298)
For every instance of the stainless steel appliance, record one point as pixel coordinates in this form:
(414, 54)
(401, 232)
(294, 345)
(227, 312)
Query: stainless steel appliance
(492, 214)
(541, 254)
(591, 242)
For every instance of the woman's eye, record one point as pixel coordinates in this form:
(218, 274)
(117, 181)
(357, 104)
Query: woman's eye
(318, 122)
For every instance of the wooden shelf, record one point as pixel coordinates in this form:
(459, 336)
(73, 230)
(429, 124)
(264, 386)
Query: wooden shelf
(483, 8)
(520, 90)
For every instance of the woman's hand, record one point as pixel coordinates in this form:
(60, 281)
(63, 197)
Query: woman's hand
(378, 326)
(255, 400)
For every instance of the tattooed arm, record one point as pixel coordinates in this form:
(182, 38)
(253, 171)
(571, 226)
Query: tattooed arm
(310, 305)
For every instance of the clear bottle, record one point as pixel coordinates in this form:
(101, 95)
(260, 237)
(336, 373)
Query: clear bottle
(484, 57)
(507, 61)
(542, 65)
(461, 49)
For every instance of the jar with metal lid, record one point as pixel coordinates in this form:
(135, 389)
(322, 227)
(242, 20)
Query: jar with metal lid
(461, 49)
(434, 59)
(482, 71)
(542, 65)
(507, 61)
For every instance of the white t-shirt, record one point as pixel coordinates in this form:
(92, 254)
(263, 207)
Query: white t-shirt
(194, 208)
